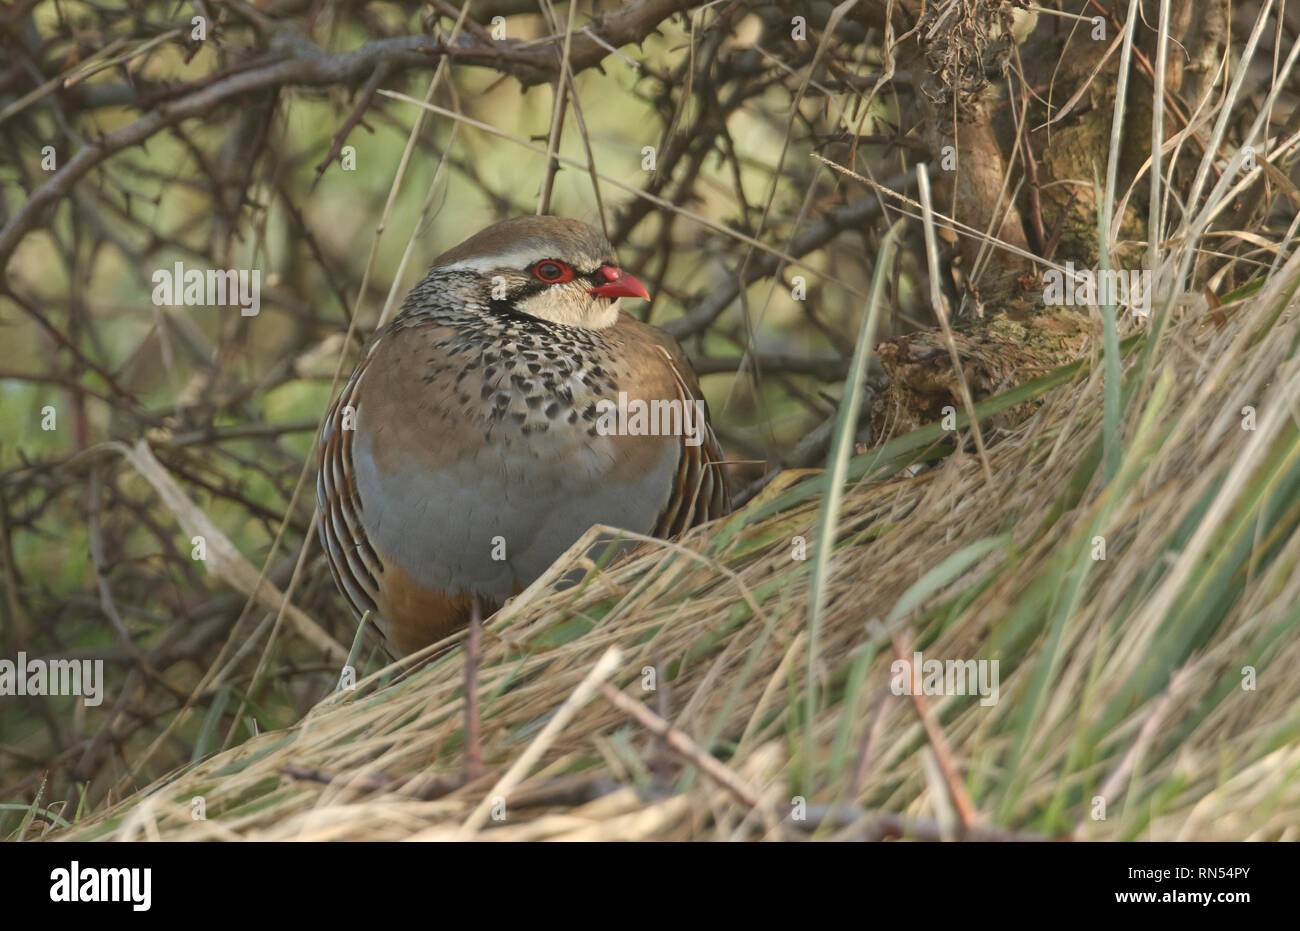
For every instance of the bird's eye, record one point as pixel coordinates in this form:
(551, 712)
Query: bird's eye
(551, 271)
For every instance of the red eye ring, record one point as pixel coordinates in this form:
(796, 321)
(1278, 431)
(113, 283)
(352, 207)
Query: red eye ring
(552, 272)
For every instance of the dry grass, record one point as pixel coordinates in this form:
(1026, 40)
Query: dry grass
(1120, 678)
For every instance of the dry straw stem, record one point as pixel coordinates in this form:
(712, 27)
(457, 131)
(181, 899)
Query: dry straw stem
(223, 559)
(940, 314)
(1201, 578)
(517, 772)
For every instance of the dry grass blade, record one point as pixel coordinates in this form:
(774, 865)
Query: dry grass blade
(223, 560)
(507, 783)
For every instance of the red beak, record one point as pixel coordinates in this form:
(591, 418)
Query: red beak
(621, 284)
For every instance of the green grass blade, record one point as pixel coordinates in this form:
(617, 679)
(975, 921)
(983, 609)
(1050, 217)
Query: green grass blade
(841, 448)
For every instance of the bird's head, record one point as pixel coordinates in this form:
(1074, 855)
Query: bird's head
(552, 268)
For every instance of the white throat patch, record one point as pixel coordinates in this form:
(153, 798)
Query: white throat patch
(571, 307)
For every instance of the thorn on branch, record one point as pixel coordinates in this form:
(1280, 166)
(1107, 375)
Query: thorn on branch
(363, 103)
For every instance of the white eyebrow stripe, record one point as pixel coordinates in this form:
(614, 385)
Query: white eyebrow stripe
(515, 258)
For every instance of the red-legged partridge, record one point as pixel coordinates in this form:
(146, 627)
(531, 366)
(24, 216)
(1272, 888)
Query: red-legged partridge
(471, 446)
